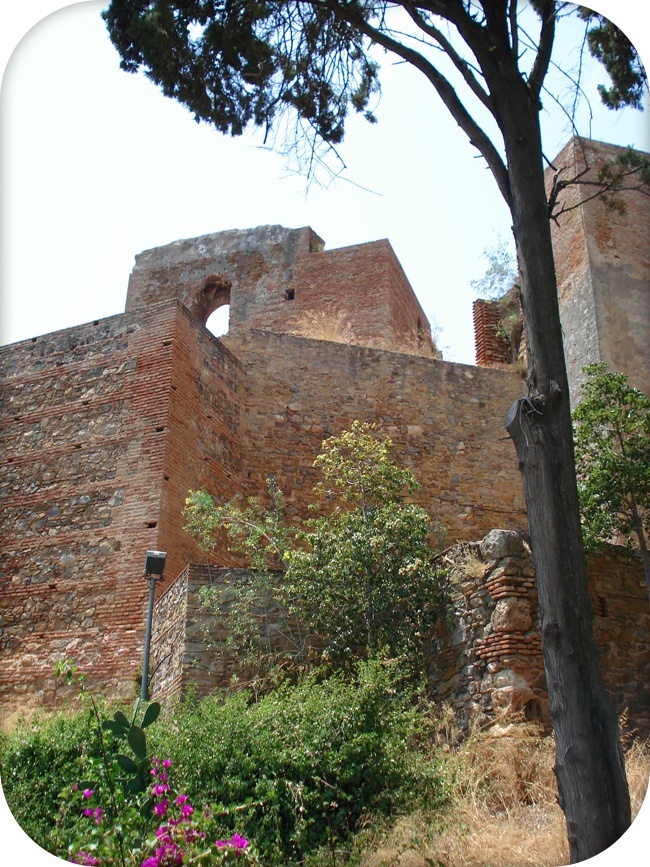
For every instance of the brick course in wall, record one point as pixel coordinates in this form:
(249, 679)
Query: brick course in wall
(490, 347)
(106, 426)
(484, 658)
(104, 429)
(487, 663)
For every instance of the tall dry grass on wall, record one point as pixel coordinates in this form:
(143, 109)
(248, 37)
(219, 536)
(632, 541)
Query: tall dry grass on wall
(503, 810)
(334, 327)
(317, 325)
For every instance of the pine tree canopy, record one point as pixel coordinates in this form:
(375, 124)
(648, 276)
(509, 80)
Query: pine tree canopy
(235, 63)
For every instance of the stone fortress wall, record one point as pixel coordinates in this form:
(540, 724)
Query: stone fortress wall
(484, 659)
(106, 426)
(602, 261)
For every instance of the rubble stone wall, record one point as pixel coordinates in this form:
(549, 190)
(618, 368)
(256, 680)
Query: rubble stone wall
(446, 421)
(484, 658)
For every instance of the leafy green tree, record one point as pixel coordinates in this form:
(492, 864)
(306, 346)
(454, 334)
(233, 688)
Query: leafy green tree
(307, 64)
(361, 577)
(612, 436)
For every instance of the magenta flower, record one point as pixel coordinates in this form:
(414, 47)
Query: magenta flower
(167, 763)
(86, 859)
(186, 811)
(88, 793)
(160, 789)
(161, 808)
(182, 799)
(89, 812)
(98, 816)
(236, 842)
(151, 862)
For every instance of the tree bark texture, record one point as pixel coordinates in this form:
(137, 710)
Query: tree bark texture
(590, 771)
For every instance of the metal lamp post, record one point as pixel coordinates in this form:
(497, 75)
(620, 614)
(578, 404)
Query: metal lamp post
(154, 566)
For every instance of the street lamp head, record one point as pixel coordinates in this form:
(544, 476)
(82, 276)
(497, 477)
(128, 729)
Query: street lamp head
(154, 563)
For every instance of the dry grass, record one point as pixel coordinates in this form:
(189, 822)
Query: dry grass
(334, 327)
(503, 811)
(318, 325)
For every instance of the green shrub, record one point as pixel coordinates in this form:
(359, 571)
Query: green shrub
(293, 772)
(303, 764)
(40, 759)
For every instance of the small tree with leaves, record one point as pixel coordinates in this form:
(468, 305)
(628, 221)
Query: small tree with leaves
(612, 437)
(361, 578)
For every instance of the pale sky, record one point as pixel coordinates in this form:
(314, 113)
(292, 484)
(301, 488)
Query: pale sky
(98, 165)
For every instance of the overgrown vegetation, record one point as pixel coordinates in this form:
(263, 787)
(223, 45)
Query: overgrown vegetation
(345, 771)
(359, 581)
(295, 772)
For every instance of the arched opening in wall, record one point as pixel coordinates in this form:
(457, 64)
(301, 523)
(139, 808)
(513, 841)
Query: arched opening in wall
(219, 321)
(215, 305)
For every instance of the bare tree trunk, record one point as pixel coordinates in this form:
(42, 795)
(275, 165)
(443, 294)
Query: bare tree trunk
(593, 790)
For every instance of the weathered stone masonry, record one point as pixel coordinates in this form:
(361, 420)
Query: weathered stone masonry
(484, 658)
(106, 426)
(602, 261)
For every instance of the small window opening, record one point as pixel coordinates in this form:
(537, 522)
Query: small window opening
(219, 321)
(290, 294)
(603, 608)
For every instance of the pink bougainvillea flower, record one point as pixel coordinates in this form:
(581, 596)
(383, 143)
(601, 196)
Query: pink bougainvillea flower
(85, 859)
(98, 816)
(167, 763)
(182, 799)
(236, 842)
(88, 793)
(161, 808)
(160, 789)
(186, 811)
(191, 834)
(89, 812)
(151, 862)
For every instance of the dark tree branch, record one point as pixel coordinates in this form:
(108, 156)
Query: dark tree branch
(546, 40)
(476, 135)
(460, 63)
